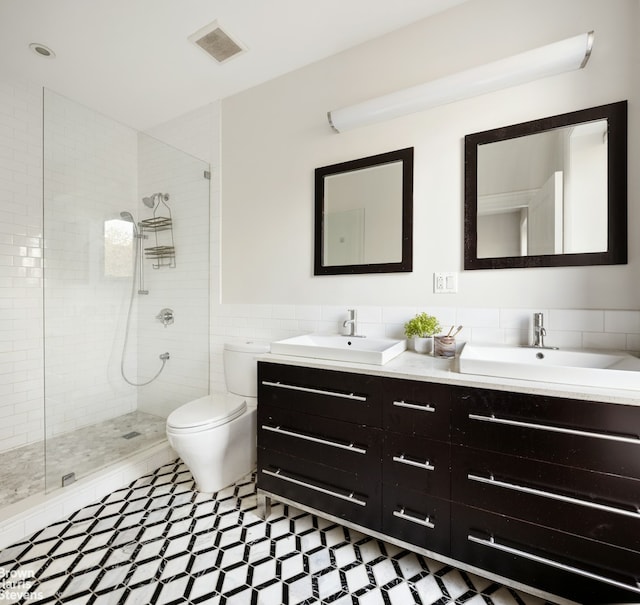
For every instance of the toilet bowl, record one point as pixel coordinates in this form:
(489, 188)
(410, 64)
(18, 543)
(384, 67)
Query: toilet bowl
(215, 435)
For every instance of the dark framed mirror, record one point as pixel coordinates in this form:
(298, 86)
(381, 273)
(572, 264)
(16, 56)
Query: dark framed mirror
(548, 193)
(364, 215)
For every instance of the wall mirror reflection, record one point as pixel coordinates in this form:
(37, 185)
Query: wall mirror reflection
(550, 192)
(363, 215)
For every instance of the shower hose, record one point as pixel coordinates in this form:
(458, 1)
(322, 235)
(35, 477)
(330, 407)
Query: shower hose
(164, 356)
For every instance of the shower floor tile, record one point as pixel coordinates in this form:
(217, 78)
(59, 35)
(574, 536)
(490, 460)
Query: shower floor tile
(81, 452)
(217, 550)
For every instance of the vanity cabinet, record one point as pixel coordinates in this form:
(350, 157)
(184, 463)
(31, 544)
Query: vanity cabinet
(546, 491)
(542, 491)
(415, 463)
(320, 441)
(365, 449)
(601, 437)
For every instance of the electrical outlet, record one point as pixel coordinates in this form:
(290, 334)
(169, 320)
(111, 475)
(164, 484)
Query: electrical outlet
(445, 283)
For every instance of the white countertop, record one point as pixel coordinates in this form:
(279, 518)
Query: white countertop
(416, 366)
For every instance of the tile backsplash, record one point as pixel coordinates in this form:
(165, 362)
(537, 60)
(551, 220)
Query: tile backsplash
(600, 329)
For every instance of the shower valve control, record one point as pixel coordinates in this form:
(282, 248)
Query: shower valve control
(165, 316)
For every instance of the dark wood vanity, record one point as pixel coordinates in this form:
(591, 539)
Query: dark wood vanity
(545, 491)
(540, 491)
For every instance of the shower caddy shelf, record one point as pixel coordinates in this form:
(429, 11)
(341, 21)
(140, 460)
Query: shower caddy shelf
(164, 251)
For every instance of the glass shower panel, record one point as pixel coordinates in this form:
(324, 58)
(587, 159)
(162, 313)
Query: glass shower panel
(179, 283)
(96, 325)
(21, 331)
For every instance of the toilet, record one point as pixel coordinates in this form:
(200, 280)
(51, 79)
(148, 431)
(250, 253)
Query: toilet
(215, 436)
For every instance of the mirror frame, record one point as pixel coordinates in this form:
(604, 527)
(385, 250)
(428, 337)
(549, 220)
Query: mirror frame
(406, 264)
(616, 253)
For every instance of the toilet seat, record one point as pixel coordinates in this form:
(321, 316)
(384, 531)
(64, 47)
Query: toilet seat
(206, 413)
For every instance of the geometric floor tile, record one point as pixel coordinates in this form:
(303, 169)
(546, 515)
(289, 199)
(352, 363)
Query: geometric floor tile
(158, 541)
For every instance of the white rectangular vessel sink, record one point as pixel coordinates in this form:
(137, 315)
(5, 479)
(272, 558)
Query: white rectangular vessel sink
(376, 351)
(578, 367)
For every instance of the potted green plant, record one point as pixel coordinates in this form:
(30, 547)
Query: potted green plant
(421, 329)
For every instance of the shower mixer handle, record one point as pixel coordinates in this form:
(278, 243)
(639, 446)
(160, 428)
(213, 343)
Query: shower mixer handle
(165, 316)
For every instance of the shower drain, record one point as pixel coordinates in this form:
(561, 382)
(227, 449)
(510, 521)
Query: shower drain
(131, 435)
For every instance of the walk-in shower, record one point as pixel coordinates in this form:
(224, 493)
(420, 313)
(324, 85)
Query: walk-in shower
(96, 174)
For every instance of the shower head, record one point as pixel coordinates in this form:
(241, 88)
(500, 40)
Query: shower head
(127, 216)
(150, 201)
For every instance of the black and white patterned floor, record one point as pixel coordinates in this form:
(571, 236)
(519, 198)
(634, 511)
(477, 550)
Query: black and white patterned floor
(159, 541)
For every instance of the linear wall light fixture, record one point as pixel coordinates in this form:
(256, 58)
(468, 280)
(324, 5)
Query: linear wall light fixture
(566, 55)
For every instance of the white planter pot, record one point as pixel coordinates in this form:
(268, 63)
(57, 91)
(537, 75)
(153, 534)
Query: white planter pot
(423, 345)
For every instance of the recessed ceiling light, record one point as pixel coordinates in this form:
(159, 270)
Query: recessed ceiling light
(42, 50)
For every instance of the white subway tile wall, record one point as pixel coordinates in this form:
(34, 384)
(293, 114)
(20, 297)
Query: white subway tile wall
(565, 328)
(21, 364)
(90, 176)
(183, 288)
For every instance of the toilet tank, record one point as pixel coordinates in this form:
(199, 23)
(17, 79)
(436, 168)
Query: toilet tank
(241, 367)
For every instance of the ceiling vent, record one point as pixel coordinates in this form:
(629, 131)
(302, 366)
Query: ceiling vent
(217, 43)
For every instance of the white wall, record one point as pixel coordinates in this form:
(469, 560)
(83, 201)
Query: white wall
(195, 133)
(274, 135)
(198, 133)
(184, 288)
(90, 176)
(21, 367)
(585, 215)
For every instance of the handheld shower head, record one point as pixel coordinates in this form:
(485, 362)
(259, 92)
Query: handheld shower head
(127, 216)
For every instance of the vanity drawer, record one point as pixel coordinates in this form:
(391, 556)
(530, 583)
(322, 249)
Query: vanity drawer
(415, 518)
(336, 492)
(582, 570)
(350, 447)
(603, 437)
(601, 507)
(342, 395)
(416, 463)
(416, 408)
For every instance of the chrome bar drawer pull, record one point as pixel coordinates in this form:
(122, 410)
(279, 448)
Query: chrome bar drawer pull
(554, 429)
(350, 447)
(292, 387)
(426, 522)
(426, 465)
(348, 497)
(553, 496)
(491, 543)
(422, 407)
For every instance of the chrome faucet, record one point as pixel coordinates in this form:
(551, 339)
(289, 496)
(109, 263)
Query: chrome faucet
(351, 324)
(539, 332)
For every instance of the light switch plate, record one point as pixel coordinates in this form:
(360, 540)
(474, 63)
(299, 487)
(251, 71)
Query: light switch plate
(445, 283)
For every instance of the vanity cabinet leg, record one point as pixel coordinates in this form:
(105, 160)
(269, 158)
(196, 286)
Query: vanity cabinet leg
(264, 506)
